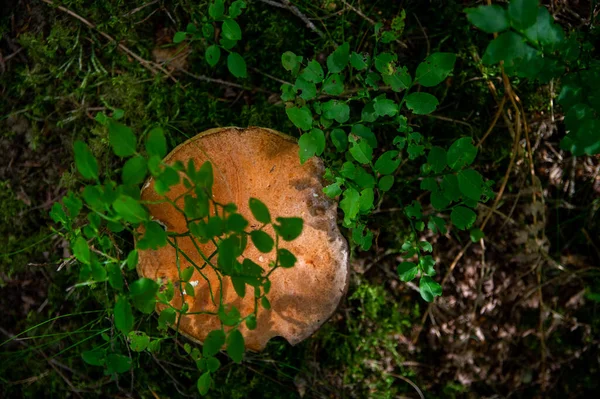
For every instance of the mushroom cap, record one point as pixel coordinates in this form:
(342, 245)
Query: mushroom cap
(264, 164)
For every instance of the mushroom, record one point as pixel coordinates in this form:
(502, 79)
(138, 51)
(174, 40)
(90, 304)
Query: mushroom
(257, 163)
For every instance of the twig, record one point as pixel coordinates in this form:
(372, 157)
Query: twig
(493, 124)
(130, 13)
(424, 34)
(294, 10)
(445, 118)
(412, 384)
(372, 22)
(222, 82)
(145, 63)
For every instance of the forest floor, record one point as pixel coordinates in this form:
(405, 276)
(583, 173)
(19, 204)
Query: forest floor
(518, 315)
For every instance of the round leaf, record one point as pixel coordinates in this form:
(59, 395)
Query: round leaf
(421, 103)
(262, 241)
(259, 210)
(84, 160)
(212, 55)
(236, 65)
(462, 217)
(235, 345)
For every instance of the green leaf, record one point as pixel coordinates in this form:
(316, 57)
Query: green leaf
(522, 13)
(358, 61)
(167, 318)
(265, 303)
(470, 183)
(435, 69)
(123, 315)
(429, 289)
(384, 106)
(438, 200)
(235, 10)
(235, 345)
(337, 61)
(386, 183)
(407, 271)
(437, 159)
(204, 383)
(134, 170)
(143, 292)
(339, 139)
(350, 204)
(187, 273)
(289, 228)
(425, 246)
(179, 37)
(230, 318)
(115, 278)
(313, 72)
(130, 209)
(81, 250)
(399, 80)
(155, 236)
(365, 203)
(387, 163)
(312, 143)
(461, 153)
(507, 47)
(262, 241)
(300, 117)
(545, 31)
(138, 341)
(385, 63)
(259, 210)
(307, 90)
(291, 62)
(462, 217)
(336, 109)
(236, 223)
(95, 357)
(213, 343)
(121, 139)
(333, 190)
(231, 30)
(116, 363)
(421, 103)
(132, 260)
(236, 65)
(286, 258)
(366, 133)
(334, 85)
(217, 9)
(437, 223)
(490, 19)
(476, 234)
(251, 322)
(84, 161)
(212, 55)
(361, 151)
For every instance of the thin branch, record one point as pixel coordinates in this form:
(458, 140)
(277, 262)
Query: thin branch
(371, 21)
(286, 4)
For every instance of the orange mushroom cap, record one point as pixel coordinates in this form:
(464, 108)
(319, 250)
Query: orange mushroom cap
(264, 164)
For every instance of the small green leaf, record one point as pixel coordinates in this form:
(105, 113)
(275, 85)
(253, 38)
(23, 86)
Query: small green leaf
(461, 153)
(134, 170)
(421, 103)
(337, 61)
(289, 228)
(286, 258)
(235, 9)
(336, 109)
(236, 65)
(366, 133)
(437, 159)
(387, 163)
(358, 61)
(350, 204)
(235, 345)
(291, 62)
(365, 203)
(121, 139)
(407, 271)
(470, 183)
(300, 117)
(130, 209)
(186, 274)
(123, 315)
(462, 217)
(490, 19)
(435, 69)
(132, 260)
(251, 322)
(212, 55)
(339, 139)
(115, 278)
(307, 90)
(143, 294)
(259, 210)
(384, 106)
(476, 234)
(116, 363)
(313, 72)
(334, 85)
(138, 341)
(429, 289)
(167, 318)
(361, 151)
(262, 241)
(386, 183)
(522, 13)
(84, 161)
(95, 357)
(213, 343)
(81, 250)
(265, 303)
(179, 37)
(204, 383)
(231, 30)
(333, 190)
(217, 9)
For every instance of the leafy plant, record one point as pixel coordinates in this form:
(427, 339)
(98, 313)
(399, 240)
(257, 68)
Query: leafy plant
(531, 45)
(220, 19)
(105, 207)
(344, 127)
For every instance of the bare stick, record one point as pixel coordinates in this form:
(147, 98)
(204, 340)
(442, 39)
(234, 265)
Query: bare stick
(294, 10)
(371, 21)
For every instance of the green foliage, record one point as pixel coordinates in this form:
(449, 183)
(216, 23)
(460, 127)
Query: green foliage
(361, 165)
(123, 210)
(531, 45)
